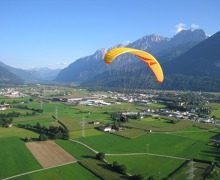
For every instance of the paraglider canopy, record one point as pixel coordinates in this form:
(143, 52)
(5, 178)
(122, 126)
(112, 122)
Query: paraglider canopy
(146, 57)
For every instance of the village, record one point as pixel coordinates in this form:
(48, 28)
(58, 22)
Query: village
(191, 106)
(197, 112)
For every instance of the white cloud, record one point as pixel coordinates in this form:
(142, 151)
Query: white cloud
(61, 63)
(179, 27)
(126, 42)
(194, 26)
(58, 65)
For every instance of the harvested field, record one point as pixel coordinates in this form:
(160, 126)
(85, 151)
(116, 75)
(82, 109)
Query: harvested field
(49, 154)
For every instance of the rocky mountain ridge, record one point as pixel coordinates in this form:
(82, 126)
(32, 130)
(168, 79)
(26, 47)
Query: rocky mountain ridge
(88, 67)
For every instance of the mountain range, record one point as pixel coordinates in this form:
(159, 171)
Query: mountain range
(190, 60)
(7, 77)
(201, 60)
(164, 49)
(34, 75)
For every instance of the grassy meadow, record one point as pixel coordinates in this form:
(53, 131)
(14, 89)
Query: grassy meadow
(77, 150)
(71, 171)
(147, 165)
(16, 132)
(159, 143)
(15, 157)
(216, 110)
(183, 139)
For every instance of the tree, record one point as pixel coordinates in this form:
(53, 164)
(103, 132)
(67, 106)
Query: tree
(66, 135)
(43, 137)
(137, 177)
(139, 116)
(116, 124)
(123, 118)
(115, 116)
(27, 113)
(151, 178)
(100, 156)
(119, 168)
(58, 135)
(3, 102)
(122, 169)
(38, 126)
(115, 164)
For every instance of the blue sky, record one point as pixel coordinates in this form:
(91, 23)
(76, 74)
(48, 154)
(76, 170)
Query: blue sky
(55, 33)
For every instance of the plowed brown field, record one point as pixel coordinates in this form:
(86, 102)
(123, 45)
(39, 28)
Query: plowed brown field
(49, 154)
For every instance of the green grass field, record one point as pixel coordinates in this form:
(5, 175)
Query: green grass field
(147, 124)
(147, 165)
(184, 139)
(15, 157)
(156, 106)
(162, 126)
(77, 150)
(88, 132)
(131, 133)
(160, 143)
(43, 122)
(199, 171)
(18, 132)
(71, 171)
(216, 110)
(101, 169)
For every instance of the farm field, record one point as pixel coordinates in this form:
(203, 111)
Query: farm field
(216, 110)
(49, 154)
(17, 132)
(71, 171)
(101, 169)
(89, 132)
(77, 150)
(147, 165)
(165, 144)
(15, 157)
(162, 150)
(130, 133)
(200, 170)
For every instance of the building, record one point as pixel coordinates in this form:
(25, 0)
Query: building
(105, 128)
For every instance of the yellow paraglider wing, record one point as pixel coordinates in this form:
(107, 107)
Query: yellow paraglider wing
(146, 57)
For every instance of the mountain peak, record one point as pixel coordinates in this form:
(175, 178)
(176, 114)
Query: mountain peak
(156, 38)
(100, 53)
(201, 60)
(190, 35)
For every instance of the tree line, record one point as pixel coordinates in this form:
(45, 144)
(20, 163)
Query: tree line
(53, 132)
(32, 109)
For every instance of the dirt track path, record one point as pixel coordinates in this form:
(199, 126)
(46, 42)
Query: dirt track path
(30, 172)
(174, 132)
(85, 145)
(150, 154)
